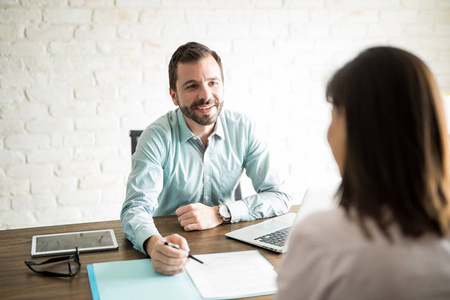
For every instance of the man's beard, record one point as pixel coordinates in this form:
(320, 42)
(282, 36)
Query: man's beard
(204, 120)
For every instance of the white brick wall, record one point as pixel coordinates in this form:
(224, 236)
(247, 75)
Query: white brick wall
(77, 75)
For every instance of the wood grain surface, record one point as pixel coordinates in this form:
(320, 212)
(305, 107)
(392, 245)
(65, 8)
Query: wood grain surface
(18, 282)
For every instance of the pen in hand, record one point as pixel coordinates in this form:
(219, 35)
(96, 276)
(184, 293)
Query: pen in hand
(177, 247)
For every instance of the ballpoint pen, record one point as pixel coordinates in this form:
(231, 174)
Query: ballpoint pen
(178, 247)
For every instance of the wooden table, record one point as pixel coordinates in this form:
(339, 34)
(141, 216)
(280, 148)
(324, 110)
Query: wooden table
(18, 282)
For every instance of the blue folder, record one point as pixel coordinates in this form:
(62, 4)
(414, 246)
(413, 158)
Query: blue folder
(136, 279)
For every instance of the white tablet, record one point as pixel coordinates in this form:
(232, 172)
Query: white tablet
(65, 243)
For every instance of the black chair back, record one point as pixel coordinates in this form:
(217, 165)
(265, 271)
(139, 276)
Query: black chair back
(134, 134)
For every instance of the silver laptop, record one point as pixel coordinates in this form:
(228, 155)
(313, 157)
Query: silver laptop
(273, 234)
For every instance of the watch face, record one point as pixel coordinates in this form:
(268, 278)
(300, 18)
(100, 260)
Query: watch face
(224, 211)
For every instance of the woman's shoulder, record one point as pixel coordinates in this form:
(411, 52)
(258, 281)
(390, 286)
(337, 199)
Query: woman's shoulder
(328, 219)
(332, 226)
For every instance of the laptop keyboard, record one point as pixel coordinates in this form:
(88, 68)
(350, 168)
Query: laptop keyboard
(277, 238)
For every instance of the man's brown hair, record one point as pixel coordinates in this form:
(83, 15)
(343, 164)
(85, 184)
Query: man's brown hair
(190, 52)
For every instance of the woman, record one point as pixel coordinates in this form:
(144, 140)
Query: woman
(389, 239)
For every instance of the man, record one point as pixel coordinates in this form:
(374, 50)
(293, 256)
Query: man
(189, 161)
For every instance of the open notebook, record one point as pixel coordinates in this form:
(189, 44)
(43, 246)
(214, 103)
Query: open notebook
(248, 272)
(273, 234)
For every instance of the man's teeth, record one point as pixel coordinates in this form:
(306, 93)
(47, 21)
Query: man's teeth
(205, 108)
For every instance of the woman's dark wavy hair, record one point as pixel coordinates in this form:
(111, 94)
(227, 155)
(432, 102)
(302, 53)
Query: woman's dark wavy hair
(189, 53)
(396, 168)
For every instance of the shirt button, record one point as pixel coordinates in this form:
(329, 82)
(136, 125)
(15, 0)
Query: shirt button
(206, 198)
(207, 177)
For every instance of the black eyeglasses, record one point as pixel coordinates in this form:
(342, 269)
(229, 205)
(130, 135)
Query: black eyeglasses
(73, 262)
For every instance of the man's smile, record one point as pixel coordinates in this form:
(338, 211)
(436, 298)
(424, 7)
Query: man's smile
(206, 108)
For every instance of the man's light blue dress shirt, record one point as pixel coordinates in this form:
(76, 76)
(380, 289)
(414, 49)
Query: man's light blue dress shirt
(172, 168)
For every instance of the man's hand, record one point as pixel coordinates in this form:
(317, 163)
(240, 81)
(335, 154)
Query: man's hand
(167, 260)
(198, 216)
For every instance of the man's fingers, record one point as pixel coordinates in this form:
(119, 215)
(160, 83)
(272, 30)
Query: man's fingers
(168, 273)
(197, 216)
(166, 269)
(184, 209)
(191, 227)
(184, 217)
(169, 252)
(189, 220)
(194, 223)
(168, 260)
(178, 240)
(176, 262)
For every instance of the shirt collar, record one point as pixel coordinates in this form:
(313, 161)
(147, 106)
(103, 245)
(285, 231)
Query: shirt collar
(218, 129)
(186, 133)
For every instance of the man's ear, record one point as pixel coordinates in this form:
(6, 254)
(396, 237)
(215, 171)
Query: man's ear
(173, 95)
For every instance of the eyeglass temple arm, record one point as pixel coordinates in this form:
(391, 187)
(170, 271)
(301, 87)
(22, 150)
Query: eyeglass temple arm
(51, 260)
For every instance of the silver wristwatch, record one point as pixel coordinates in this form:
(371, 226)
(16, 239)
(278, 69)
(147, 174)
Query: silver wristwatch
(224, 213)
